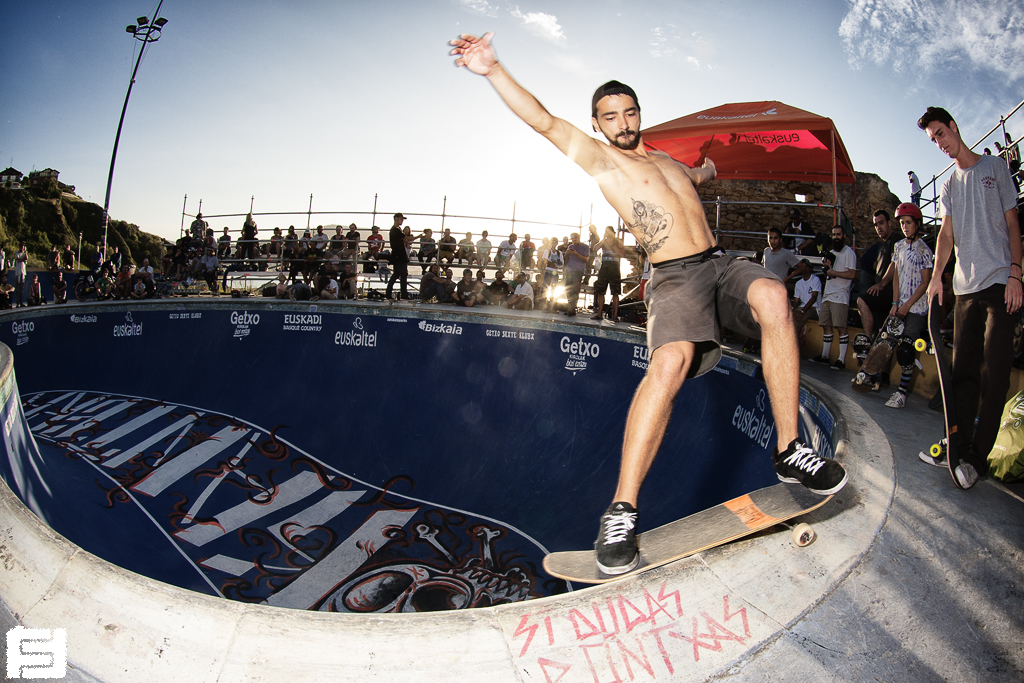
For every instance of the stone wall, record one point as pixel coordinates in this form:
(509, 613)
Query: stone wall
(872, 193)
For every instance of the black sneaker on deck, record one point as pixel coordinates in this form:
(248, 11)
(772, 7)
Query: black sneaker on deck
(616, 542)
(799, 464)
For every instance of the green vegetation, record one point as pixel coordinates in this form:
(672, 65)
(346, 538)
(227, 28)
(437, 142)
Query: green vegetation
(42, 217)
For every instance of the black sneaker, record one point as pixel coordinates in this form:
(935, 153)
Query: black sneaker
(838, 365)
(820, 359)
(799, 464)
(616, 542)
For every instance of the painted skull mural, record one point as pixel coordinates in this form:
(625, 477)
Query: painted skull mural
(229, 508)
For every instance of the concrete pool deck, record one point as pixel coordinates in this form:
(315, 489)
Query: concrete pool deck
(910, 579)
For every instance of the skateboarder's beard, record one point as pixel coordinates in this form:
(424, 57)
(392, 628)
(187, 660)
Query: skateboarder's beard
(623, 141)
(838, 243)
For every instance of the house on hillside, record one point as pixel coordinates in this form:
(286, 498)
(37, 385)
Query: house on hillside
(11, 178)
(37, 177)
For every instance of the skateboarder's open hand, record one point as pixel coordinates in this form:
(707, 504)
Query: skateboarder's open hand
(476, 54)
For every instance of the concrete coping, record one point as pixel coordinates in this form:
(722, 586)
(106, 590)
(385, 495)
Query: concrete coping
(685, 621)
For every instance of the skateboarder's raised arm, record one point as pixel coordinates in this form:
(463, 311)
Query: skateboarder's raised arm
(702, 174)
(477, 55)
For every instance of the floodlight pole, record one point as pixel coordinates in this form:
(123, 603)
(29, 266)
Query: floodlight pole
(146, 32)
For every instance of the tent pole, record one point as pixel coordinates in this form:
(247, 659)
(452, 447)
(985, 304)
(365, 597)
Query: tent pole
(835, 191)
(718, 218)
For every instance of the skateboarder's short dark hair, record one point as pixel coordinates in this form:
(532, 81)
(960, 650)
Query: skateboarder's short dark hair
(612, 88)
(883, 212)
(934, 114)
(774, 231)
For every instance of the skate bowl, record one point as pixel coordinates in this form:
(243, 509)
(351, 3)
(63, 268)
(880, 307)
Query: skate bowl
(259, 490)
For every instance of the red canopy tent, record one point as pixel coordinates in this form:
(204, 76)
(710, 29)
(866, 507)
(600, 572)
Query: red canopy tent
(757, 141)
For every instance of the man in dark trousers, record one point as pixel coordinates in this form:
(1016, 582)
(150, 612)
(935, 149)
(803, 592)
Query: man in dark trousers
(980, 225)
(399, 258)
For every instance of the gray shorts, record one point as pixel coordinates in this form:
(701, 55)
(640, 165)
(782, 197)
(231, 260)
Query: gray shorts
(688, 299)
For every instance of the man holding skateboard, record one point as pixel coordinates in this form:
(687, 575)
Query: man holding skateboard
(657, 198)
(979, 223)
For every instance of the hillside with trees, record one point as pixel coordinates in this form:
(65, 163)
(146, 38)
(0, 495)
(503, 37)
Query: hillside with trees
(43, 216)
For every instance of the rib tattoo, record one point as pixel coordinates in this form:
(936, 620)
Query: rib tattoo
(651, 224)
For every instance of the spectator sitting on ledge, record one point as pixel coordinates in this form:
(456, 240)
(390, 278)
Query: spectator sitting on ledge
(432, 286)
(139, 291)
(497, 292)
(329, 292)
(123, 283)
(5, 293)
(207, 269)
(466, 293)
(348, 282)
(145, 275)
(35, 292)
(60, 288)
(281, 289)
(522, 297)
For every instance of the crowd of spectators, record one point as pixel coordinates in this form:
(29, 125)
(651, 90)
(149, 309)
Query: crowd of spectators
(344, 265)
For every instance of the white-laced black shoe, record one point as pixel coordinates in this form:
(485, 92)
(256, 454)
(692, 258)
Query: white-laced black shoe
(616, 542)
(799, 464)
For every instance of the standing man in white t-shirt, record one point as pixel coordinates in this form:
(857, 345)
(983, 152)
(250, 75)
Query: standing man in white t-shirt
(980, 224)
(840, 269)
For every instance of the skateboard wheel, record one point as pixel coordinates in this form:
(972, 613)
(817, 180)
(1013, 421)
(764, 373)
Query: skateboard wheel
(920, 345)
(935, 450)
(804, 534)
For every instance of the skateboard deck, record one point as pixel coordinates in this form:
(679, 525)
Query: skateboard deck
(877, 360)
(709, 528)
(946, 388)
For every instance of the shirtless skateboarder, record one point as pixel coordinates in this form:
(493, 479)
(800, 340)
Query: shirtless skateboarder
(657, 198)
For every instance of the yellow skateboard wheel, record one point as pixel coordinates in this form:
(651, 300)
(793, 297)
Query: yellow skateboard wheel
(920, 345)
(935, 450)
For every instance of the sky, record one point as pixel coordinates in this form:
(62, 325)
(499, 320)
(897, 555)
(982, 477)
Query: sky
(357, 102)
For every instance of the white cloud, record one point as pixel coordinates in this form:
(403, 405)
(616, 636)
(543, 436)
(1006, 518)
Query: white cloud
(481, 6)
(659, 43)
(666, 42)
(925, 34)
(544, 25)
